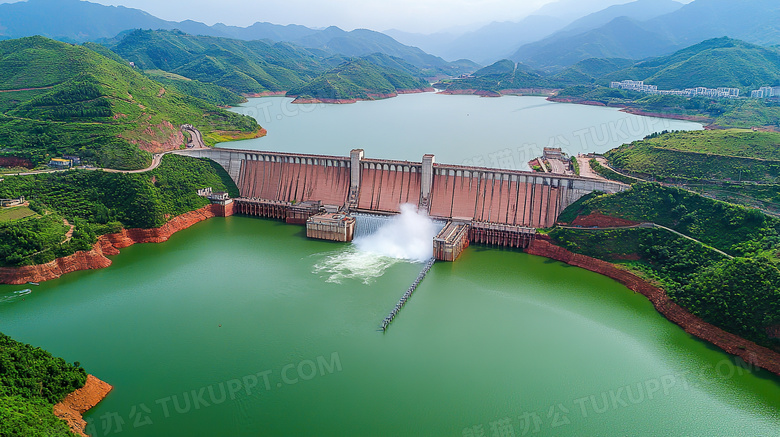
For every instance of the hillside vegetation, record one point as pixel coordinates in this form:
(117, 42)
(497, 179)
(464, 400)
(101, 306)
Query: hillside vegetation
(209, 92)
(734, 229)
(720, 62)
(719, 155)
(359, 79)
(740, 295)
(72, 100)
(31, 382)
(97, 203)
(243, 67)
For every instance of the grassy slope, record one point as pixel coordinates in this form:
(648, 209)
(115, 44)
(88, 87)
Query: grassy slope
(720, 155)
(358, 79)
(93, 106)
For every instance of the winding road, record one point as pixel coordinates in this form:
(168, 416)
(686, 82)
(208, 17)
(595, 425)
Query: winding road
(196, 143)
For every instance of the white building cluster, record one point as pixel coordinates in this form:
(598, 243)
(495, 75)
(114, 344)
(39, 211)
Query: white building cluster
(766, 92)
(638, 85)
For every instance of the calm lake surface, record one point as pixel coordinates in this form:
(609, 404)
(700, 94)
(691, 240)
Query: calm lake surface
(503, 132)
(243, 327)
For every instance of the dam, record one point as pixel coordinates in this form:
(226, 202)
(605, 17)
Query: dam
(480, 205)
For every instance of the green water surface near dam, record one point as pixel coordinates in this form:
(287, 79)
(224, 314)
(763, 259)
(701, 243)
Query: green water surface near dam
(243, 327)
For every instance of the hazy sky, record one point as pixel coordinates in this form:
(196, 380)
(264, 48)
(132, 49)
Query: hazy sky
(424, 16)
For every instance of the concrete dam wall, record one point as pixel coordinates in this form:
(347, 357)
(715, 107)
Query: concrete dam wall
(465, 194)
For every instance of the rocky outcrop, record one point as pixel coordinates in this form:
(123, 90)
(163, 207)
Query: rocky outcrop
(750, 352)
(109, 245)
(79, 402)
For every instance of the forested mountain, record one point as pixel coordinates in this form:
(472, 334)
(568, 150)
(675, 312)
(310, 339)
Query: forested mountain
(246, 67)
(60, 98)
(755, 21)
(361, 79)
(719, 62)
(80, 21)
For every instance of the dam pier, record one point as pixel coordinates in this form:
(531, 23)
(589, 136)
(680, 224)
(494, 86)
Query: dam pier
(479, 205)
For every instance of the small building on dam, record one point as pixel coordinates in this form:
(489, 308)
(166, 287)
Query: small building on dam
(482, 205)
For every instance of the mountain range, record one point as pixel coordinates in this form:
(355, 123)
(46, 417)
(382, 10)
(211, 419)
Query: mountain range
(79, 21)
(754, 21)
(558, 19)
(719, 62)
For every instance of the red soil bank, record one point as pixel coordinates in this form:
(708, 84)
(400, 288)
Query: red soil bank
(599, 220)
(109, 245)
(80, 401)
(747, 350)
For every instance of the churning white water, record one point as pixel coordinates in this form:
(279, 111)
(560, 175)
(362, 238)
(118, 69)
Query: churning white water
(407, 237)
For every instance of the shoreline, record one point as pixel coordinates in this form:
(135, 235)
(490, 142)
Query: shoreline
(72, 408)
(107, 245)
(707, 122)
(748, 351)
(519, 92)
(298, 100)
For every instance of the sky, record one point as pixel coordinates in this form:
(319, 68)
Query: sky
(422, 16)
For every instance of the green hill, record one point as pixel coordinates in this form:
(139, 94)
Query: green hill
(720, 155)
(64, 99)
(243, 67)
(209, 92)
(31, 382)
(359, 79)
(501, 77)
(740, 295)
(720, 62)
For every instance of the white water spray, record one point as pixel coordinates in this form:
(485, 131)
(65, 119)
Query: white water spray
(405, 237)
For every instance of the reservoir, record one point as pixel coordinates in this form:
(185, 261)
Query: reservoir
(504, 132)
(241, 326)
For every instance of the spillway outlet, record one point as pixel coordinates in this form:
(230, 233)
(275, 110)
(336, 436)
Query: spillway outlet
(331, 226)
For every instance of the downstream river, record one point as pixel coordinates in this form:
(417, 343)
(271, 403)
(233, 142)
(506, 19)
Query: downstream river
(243, 327)
(502, 132)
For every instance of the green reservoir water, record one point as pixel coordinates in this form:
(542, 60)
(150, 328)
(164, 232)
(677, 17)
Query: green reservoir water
(503, 132)
(243, 327)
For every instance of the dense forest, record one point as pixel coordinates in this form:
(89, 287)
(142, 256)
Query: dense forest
(97, 203)
(31, 382)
